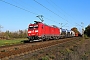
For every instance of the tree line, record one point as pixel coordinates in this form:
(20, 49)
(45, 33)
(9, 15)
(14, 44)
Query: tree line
(87, 31)
(23, 33)
(12, 35)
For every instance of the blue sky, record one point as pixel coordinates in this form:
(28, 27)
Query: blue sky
(69, 12)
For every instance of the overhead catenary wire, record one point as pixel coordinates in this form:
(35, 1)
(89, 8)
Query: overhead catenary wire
(60, 8)
(64, 11)
(29, 10)
(49, 10)
(25, 9)
(37, 9)
(53, 6)
(18, 7)
(49, 2)
(32, 12)
(52, 12)
(27, 4)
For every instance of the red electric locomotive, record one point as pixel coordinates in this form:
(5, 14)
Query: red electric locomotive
(40, 31)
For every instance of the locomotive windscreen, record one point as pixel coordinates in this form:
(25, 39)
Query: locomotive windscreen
(33, 27)
(30, 27)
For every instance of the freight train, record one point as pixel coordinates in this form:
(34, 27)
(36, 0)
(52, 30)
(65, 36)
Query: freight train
(39, 31)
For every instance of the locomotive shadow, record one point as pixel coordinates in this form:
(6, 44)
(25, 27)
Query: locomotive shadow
(25, 41)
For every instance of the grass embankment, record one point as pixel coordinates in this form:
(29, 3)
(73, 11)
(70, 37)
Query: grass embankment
(77, 49)
(12, 42)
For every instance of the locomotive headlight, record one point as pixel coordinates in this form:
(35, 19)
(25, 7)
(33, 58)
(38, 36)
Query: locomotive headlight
(36, 30)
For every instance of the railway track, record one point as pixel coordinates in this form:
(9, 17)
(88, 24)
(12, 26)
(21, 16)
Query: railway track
(18, 50)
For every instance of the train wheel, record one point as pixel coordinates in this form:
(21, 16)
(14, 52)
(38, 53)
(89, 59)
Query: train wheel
(43, 38)
(57, 38)
(47, 38)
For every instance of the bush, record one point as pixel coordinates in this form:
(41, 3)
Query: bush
(86, 37)
(44, 58)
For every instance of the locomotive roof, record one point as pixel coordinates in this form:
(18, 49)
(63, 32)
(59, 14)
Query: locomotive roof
(55, 26)
(36, 22)
(46, 24)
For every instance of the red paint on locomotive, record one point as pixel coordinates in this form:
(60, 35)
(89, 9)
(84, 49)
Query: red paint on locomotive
(38, 30)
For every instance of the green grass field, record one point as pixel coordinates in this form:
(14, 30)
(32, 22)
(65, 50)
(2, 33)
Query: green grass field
(12, 42)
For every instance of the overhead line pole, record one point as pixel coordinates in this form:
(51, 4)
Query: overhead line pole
(82, 29)
(82, 26)
(0, 28)
(60, 25)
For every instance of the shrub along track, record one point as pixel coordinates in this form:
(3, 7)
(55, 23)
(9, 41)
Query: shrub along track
(17, 50)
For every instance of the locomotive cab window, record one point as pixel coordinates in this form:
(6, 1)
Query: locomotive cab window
(36, 26)
(30, 27)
